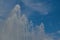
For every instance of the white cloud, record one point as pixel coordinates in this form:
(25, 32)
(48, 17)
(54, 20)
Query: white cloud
(43, 7)
(17, 28)
(58, 31)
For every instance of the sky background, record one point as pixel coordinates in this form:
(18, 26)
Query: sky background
(46, 11)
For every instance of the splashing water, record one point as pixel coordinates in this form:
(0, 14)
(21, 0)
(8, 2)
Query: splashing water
(16, 27)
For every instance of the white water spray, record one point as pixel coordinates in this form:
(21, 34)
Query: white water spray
(16, 27)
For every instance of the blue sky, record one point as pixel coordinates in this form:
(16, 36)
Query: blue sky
(46, 11)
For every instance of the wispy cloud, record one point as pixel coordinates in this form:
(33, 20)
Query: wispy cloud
(44, 7)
